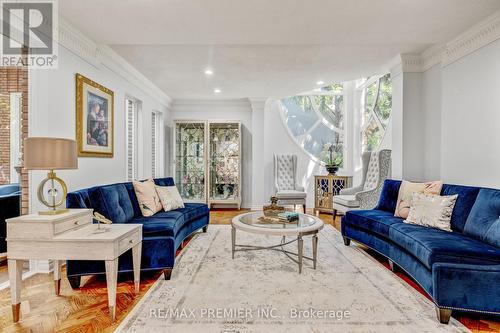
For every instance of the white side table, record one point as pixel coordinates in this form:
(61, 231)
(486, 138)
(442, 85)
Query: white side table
(69, 236)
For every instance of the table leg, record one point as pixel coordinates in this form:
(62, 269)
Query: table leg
(15, 268)
(136, 259)
(233, 240)
(300, 243)
(315, 249)
(111, 277)
(57, 276)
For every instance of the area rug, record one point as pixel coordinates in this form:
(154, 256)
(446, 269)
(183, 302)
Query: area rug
(262, 291)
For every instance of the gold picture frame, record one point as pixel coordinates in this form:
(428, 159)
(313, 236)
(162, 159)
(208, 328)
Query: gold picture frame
(94, 118)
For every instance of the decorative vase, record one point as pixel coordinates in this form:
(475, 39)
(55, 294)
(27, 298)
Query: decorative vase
(273, 209)
(332, 168)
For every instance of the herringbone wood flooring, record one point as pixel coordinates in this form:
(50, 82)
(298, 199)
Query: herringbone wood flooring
(85, 310)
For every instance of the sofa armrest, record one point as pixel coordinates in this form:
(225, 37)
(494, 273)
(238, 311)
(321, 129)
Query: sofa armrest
(368, 199)
(466, 286)
(351, 190)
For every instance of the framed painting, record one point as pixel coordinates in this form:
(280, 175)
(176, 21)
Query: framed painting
(94, 118)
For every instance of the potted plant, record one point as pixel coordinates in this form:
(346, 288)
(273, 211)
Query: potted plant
(332, 165)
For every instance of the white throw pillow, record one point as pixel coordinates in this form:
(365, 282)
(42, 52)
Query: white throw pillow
(432, 210)
(170, 197)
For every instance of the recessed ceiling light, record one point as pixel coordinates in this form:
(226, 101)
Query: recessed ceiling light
(320, 83)
(208, 71)
(217, 91)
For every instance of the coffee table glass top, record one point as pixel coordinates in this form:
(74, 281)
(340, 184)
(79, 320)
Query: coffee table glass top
(257, 219)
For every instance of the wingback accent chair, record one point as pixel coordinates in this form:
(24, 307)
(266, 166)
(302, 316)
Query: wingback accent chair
(376, 168)
(286, 187)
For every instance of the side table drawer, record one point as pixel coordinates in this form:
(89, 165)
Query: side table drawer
(74, 223)
(129, 241)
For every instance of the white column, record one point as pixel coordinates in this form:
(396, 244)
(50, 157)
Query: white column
(258, 106)
(408, 155)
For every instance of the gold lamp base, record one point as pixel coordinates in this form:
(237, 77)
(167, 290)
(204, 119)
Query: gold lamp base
(53, 212)
(51, 176)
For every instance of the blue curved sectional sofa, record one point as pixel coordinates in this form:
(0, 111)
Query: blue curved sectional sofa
(460, 270)
(163, 233)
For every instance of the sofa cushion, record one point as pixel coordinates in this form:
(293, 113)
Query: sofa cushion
(389, 196)
(169, 181)
(483, 222)
(290, 194)
(112, 201)
(431, 245)
(346, 200)
(375, 221)
(169, 223)
(466, 197)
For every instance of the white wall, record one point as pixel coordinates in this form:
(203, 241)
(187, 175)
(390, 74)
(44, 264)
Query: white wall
(238, 110)
(52, 113)
(471, 118)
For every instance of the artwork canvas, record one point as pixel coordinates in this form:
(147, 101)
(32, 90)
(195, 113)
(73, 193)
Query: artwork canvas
(94, 118)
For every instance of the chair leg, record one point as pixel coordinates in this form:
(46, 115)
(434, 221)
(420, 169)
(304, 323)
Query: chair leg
(167, 273)
(75, 281)
(392, 266)
(443, 315)
(304, 208)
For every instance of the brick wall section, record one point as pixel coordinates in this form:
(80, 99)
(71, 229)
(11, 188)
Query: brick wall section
(13, 80)
(4, 139)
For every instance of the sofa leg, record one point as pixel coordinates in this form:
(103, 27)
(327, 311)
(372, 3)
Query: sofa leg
(167, 273)
(304, 208)
(75, 281)
(347, 241)
(392, 266)
(205, 228)
(334, 215)
(443, 315)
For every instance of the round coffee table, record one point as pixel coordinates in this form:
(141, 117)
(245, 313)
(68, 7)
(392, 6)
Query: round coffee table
(252, 222)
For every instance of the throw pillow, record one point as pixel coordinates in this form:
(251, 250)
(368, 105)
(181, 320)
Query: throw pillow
(406, 191)
(148, 199)
(170, 197)
(432, 210)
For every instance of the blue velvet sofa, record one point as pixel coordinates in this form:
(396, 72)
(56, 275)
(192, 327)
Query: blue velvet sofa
(460, 270)
(163, 233)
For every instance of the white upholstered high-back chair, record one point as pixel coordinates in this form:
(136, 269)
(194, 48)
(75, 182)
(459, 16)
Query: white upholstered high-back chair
(376, 169)
(286, 187)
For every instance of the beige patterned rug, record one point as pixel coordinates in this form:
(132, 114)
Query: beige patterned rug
(261, 291)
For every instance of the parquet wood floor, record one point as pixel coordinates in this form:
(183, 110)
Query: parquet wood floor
(85, 310)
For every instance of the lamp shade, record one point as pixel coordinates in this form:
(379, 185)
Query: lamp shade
(50, 154)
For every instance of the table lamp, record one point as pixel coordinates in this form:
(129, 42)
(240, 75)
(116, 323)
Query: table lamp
(50, 154)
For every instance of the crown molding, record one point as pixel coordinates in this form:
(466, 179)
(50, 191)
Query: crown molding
(220, 103)
(480, 35)
(102, 56)
(258, 103)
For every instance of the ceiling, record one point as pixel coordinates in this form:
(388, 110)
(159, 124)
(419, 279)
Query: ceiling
(263, 48)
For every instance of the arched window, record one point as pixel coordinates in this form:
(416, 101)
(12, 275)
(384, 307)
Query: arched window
(316, 122)
(377, 107)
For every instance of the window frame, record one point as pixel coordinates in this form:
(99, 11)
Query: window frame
(132, 174)
(345, 131)
(365, 122)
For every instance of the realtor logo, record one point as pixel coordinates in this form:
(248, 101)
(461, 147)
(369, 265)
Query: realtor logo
(29, 33)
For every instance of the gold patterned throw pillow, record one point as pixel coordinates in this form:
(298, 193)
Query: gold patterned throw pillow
(170, 197)
(148, 199)
(406, 192)
(432, 210)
